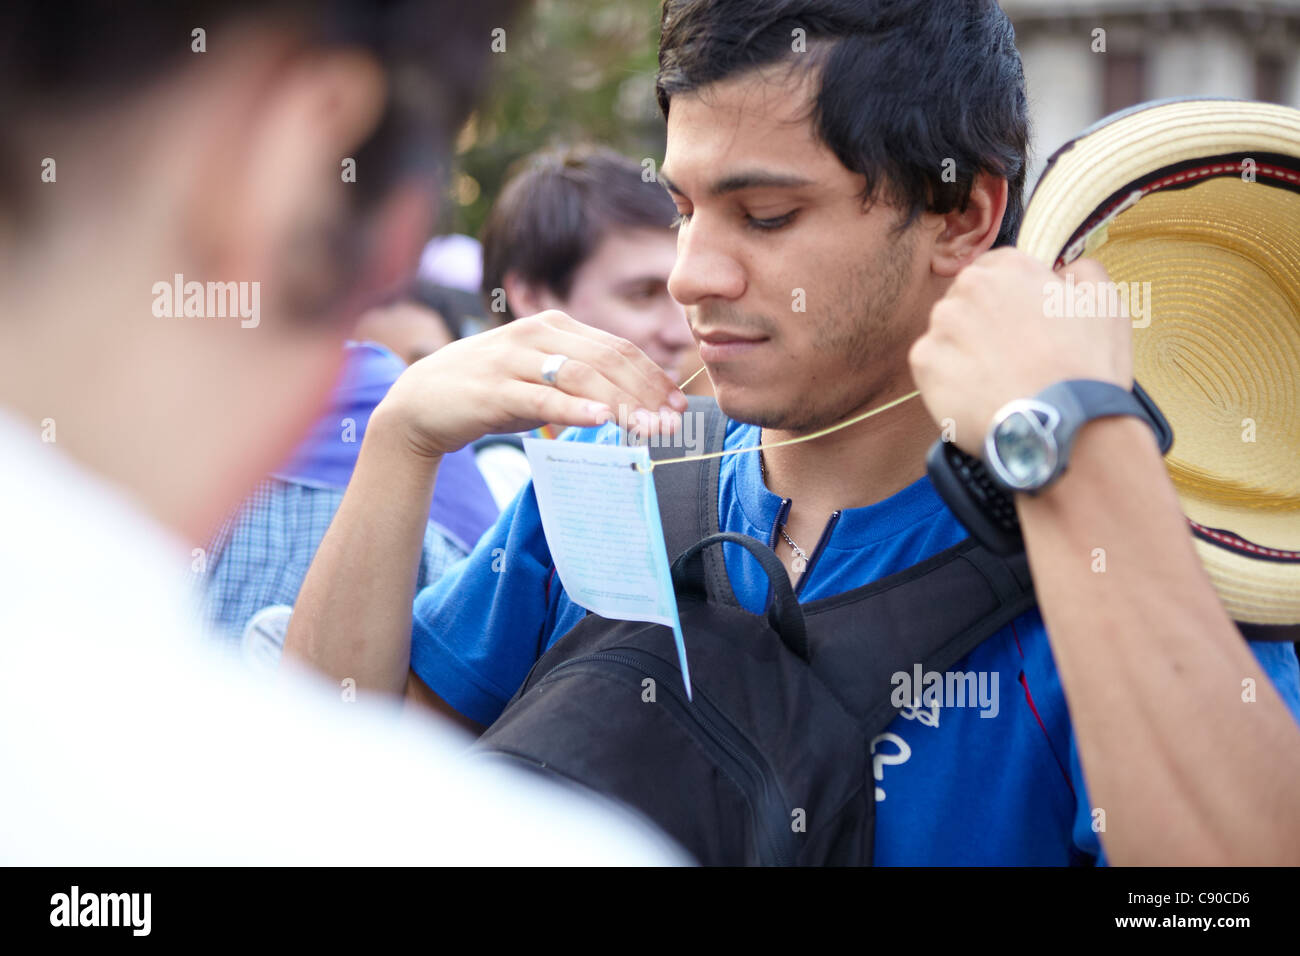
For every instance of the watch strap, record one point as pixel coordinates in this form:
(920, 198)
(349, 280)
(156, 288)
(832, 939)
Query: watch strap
(1082, 400)
(984, 505)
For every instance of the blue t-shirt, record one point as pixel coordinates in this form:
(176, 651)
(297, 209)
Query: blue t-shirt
(993, 784)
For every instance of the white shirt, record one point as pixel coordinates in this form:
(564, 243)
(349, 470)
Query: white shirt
(125, 740)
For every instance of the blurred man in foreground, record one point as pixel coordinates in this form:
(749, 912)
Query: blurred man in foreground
(197, 147)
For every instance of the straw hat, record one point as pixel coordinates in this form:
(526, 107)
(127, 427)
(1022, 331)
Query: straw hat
(1201, 199)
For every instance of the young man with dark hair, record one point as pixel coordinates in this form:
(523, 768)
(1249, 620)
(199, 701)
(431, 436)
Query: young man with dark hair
(154, 152)
(855, 156)
(581, 230)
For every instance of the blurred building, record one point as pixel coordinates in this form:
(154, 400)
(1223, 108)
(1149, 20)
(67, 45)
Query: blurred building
(1085, 59)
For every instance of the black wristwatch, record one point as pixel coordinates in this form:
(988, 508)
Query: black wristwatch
(1029, 441)
(1028, 448)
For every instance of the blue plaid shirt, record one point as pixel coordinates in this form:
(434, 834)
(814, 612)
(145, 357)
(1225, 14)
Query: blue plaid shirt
(261, 553)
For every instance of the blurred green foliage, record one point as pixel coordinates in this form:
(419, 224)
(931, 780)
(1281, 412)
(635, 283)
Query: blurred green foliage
(572, 70)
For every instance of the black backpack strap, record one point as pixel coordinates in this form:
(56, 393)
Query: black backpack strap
(932, 614)
(783, 612)
(688, 492)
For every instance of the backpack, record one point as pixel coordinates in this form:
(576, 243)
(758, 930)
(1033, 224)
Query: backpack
(771, 763)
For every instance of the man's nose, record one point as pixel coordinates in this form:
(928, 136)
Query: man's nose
(704, 266)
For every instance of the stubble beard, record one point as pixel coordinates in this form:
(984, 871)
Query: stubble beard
(856, 343)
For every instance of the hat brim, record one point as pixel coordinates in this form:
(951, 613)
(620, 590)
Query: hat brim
(1176, 196)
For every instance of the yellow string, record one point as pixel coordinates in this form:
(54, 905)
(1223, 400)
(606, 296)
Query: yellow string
(788, 441)
(694, 376)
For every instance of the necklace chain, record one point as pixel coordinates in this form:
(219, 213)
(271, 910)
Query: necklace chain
(793, 547)
(801, 556)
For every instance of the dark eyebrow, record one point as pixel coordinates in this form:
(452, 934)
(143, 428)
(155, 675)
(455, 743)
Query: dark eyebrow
(631, 281)
(744, 180)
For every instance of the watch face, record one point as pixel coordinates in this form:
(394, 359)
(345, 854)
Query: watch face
(1022, 447)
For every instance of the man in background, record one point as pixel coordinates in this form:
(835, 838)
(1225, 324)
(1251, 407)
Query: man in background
(416, 324)
(583, 230)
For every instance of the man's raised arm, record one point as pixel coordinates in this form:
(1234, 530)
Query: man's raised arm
(353, 615)
(1151, 664)
(1153, 668)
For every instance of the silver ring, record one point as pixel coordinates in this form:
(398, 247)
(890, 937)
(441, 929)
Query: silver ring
(551, 367)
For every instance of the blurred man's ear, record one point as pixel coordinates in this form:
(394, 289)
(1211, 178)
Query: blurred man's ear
(266, 200)
(275, 190)
(528, 298)
(964, 234)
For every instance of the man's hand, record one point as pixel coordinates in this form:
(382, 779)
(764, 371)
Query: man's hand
(492, 382)
(998, 335)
